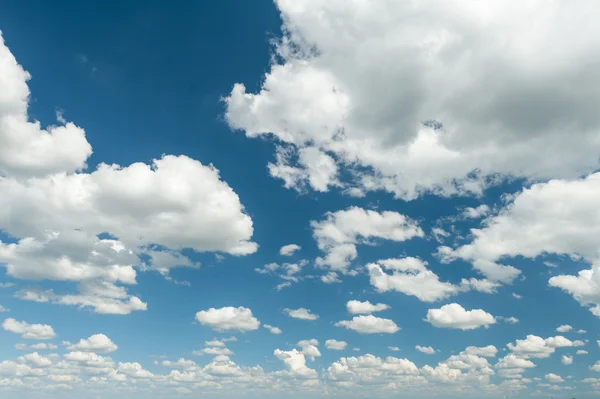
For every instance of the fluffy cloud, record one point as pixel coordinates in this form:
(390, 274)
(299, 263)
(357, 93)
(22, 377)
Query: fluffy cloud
(341, 231)
(29, 331)
(565, 211)
(99, 343)
(301, 313)
(228, 318)
(537, 347)
(397, 102)
(369, 370)
(369, 325)
(486, 351)
(428, 350)
(56, 212)
(551, 377)
(27, 149)
(296, 363)
(358, 307)
(411, 277)
(309, 348)
(289, 250)
(566, 360)
(273, 330)
(335, 345)
(455, 316)
(564, 328)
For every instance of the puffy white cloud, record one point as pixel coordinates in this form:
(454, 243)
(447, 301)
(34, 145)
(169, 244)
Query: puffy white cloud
(366, 307)
(289, 250)
(565, 211)
(273, 330)
(335, 345)
(581, 352)
(397, 102)
(564, 328)
(99, 343)
(595, 367)
(369, 370)
(301, 313)
(369, 324)
(36, 359)
(455, 316)
(476, 213)
(89, 359)
(482, 285)
(331, 278)
(485, 351)
(179, 364)
(228, 318)
(341, 231)
(411, 277)
(537, 347)
(428, 350)
(509, 320)
(566, 360)
(214, 351)
(554, 378)
(296, 363)
(28, 149)
(29, 331)
(309, 348)
(394, 348)
(514, 362)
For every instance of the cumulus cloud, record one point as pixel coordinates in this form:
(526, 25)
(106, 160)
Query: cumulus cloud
(564, 328)
(455, 316)
(566, 360)
(335, 345)
(411, 277)
(289, 250)
(366, 307)
(295, 363)
(339, 233)
(565, 211)
(98, 343)
(309, 348)
(397, 102)
(273, 330)
(485, 351)
(228, 319)
(538, 347)
(551, 377)
(369, 324)
(301, 313)
(428, 350)
(29, 331)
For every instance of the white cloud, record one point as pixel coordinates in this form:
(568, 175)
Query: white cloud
(228, 318)
(289, 250)
(411, 277)
(566, 360)
(99, 343)
(394, 348)
(476, 213)
(366, 307)
(354, 84)
(301, 313)
(428, 350)
(581, 352)
(37, 347)
(28, 149)
(369, 370)
(296, 363)
(309, 348)
(341, 231)
(482, 285)
(564, 328)
(486, 351)
(455, 316)
(335, 345)
(331, 278)
(36, 359)
(369, 324)
(565, 211)
(537, 347)
(29, 331)
(214, 351)
(554, 378)
(595, 367)
(517, 296)
(273, 330)
(510, 320)
(3, 309)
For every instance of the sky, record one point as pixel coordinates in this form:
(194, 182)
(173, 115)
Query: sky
(299, 198)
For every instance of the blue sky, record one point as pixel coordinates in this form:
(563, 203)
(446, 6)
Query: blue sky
(303, 198)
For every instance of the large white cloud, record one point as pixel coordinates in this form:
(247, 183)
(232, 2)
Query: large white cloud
(558, 217)
(364, 86)
(99, 343)
(366, 307)
(455, 316)
(56, 211)
(538, 347)
(228, 318)
(341, 231)
(411, 277)
(27, 149)
(369, 324)
(29, 331)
